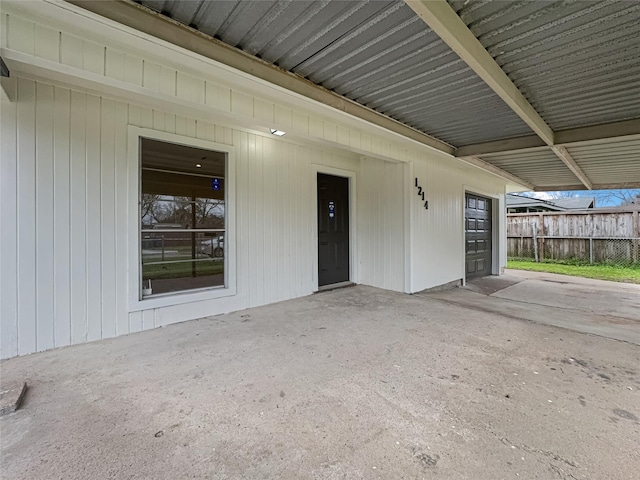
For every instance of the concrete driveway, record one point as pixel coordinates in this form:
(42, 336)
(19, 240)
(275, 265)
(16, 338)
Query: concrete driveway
(351, 383)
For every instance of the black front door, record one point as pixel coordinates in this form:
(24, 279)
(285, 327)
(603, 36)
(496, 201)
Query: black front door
(333, 229)
(477, 221)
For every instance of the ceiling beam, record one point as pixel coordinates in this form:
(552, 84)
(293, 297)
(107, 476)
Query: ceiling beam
(152, 23)
(563, 154)
(573, 136)
(446, 23)
(598, 132)
(478, 162)
(526, 143)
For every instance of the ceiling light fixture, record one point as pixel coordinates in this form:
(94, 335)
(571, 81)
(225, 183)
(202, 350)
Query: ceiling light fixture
(198, 165)
(277, 133)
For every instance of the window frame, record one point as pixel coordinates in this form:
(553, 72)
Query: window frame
(134, 224)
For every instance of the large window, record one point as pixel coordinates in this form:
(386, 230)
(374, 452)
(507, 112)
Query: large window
(182, 218)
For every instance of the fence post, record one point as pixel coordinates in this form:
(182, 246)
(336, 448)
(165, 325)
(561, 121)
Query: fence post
(534, 228)
(520, 245)
(636, 234)
(590, 250)
(163, 247)
(541, 247)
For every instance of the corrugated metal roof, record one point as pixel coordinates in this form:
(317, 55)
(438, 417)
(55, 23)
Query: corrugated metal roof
(378, 53)
(577, 62)
(540, 167)
(613, 162)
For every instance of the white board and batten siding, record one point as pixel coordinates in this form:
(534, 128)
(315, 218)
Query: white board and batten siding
(65, 205)
(437, 234)
(66, 196)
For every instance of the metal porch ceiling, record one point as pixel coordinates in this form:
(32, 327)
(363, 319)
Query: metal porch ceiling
(377, 53)
(612, 163)
(539, 167)
(577, 63)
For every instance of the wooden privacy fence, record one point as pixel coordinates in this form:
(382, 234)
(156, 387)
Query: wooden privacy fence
(603, 236)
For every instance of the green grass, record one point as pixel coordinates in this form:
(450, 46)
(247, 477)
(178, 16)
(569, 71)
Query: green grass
(181, 270)
(629, 274)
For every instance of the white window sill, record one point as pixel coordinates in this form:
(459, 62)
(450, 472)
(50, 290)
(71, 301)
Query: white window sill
(179, 298)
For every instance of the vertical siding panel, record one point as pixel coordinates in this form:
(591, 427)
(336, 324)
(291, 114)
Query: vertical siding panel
(135, 115)
(218, 134)
(259, 238)
(148, 319)
(241, 104)
(282, 117)
(210, 133)
(271, 265)
(21, 35)
(170, 123)
(114, 64)
(27, 334)
(330, 131)
(190, 128)
(218, 97)
(293, 226)
(397, 238)
(263, 110)
(151, 75)
(365, 212)
(47, 43)
(158, 120)
(167, 84)
(133, 70)
(300, 123)
(298, 221)
(71, 51)
(181, 125)
(9, 222)
(316, 127)
(93, 57)
(44, 216)
(78, 204)
(253, 218)
(388, 188)
(201, 130)
(135, 321)
(283, 242)
(378, 259)
(190, 88)
(61, 218)
(94, 228)
(108, 217)
(242, 209)
(146, 118)
(122, 213)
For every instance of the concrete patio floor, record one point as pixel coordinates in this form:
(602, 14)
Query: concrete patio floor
(350, 383)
